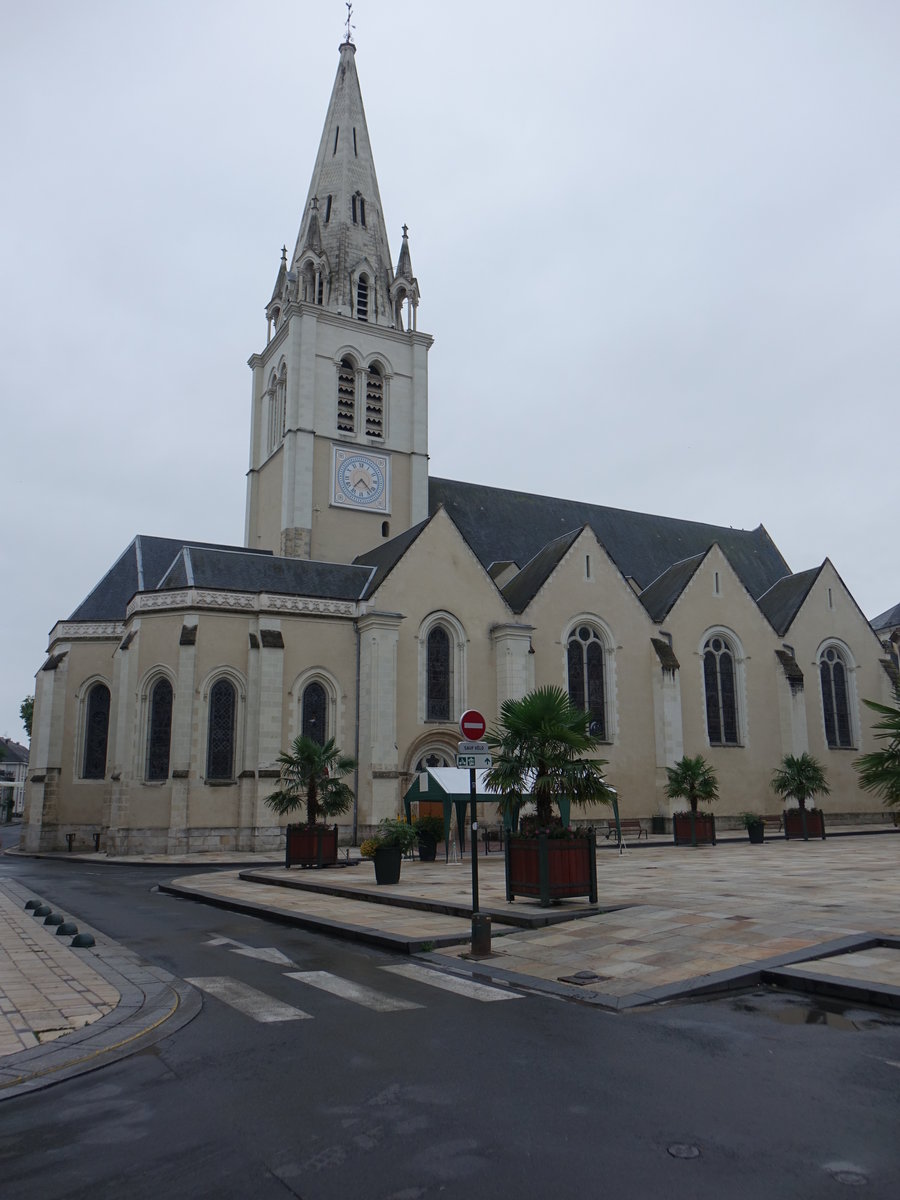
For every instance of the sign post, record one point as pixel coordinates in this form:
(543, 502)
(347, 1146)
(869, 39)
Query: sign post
(474, 755)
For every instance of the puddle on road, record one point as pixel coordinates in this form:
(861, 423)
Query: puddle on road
(789, 1011)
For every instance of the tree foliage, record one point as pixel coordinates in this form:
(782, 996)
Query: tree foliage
(26, 712)
(879, 771)
(800, 777)
(694, 780)
(543, 741)
(312, 777)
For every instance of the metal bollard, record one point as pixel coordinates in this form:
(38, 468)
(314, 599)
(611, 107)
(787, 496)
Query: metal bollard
(481, 934)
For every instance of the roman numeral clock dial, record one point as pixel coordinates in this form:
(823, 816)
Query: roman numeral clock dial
(361, 480)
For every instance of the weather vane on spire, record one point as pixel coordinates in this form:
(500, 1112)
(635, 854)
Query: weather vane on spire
(349, 26)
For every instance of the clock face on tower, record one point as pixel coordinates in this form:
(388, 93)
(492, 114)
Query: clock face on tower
(361, 480)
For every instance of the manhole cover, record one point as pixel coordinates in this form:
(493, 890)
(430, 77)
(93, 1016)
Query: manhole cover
(580, 978)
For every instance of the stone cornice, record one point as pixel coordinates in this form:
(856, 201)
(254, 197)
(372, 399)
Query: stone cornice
(69, 631)
(260, 602)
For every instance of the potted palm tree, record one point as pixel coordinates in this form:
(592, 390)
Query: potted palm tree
(801, 778)
(693, 779)
(541, 747)
(312, 777)
(879, 771)
(387, 846)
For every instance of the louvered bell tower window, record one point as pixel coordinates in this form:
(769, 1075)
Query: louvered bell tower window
(374, 402)
(719, 684)
(362, 298)
(159, 733)
(587, 682)
(346, 397)
(835, 703)
(96, 732)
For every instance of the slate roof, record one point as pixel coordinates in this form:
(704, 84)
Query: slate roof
(385, 556)
(781, 603)
(886, 620)
(15, 752)
(244, 571)
(139, 568)
(523, 588)
(500, 524)
(662, 593)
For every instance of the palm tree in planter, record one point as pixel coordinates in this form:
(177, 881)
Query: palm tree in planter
(801, 778)
(541, 747)
(312, 777)
(879, 772)
(694, 780)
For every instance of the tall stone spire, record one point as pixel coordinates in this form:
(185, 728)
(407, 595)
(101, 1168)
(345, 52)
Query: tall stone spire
(350, 245)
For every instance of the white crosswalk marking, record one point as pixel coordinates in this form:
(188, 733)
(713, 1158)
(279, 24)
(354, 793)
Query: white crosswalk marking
(248, 1000)
(263, 953)
(453, 983)
(347, 990)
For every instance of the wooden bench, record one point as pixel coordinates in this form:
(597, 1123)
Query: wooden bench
(628, 825)
(489, 835)
(775, 824)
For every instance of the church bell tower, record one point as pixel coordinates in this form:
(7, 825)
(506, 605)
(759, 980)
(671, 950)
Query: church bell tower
(339, 425)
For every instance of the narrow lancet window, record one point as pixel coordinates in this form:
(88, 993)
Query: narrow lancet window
(346, 397)
(374, 402)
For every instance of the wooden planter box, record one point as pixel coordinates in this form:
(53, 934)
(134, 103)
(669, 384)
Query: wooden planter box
(705, 827)
(551, 868)
(310, 846)
(793, 823)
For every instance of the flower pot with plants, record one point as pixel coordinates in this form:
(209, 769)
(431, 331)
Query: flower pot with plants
(755, 826)
(312, 778)
(393, 838)
(429, 831)
(801, 778)
(694, 780)
(540, 748)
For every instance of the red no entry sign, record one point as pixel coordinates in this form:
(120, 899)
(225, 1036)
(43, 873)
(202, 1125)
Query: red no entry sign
(472, 725)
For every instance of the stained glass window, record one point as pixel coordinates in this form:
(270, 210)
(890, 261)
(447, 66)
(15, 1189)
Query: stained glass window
(159, 733)
(220, 736)
(721, 693)
(835, 702)
(437, 673)
(96, 732)
(314, 713)
(587, 678)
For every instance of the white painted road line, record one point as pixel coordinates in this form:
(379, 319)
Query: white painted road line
(264, 953)
(453, 983)
(248, 1000)
(347, 990)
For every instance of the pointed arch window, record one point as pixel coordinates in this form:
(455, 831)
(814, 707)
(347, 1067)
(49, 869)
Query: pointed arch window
(362, 298)
(438, 676)
(96, 732)
(835, 699)
(220, 730)
(346, 397)
(374, 402)
(314, 713)
(586, 662)
(720, 686)
(159, 731)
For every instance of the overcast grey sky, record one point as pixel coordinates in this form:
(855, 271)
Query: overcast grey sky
(657, 242)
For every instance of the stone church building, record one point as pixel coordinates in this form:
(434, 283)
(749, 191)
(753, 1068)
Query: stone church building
(373, 603)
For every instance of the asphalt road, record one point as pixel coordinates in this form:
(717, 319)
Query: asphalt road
(401, 1090)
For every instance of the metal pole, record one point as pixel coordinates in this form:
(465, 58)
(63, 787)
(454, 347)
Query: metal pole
(474, 826)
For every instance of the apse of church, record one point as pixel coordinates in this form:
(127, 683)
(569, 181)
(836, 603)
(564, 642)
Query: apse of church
(373, 604)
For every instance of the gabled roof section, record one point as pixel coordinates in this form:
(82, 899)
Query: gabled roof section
(244, 571)
(345, 172)
(14, 752)
(523, 588)
(138, 568)
(886, 620)
(386, 556)
(781, 603)
(662, 593)
(500, 524)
